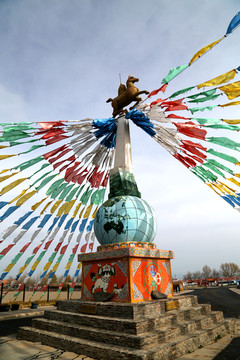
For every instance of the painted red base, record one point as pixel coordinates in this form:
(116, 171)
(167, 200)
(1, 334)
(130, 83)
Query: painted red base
(130, 272)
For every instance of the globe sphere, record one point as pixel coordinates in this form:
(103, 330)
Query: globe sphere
(125, 219)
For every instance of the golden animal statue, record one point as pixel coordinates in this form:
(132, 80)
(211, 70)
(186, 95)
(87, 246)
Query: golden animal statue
(126, 95)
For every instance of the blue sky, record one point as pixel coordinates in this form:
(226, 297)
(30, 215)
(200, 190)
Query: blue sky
(61, 59)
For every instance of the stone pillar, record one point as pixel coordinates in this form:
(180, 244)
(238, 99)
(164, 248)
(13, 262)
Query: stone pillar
(122, 181)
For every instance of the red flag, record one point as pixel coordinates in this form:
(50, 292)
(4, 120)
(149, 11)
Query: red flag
(105, 180)
(156, 102)
(21, 287)
(25, 247)
(191, 143)
(4, 251)
(50, 125)
(193, 150)
(177, 117)
(185, 160)
(190, 129)
(60, 286)
(63, 249)
(171, 103)
(52, 133)
(83, 248)
(44, 288)
(48, 243)
(58, 246)
(69, 174)
(53, 152)
(74, 250)
(91, 246)
(55, 139)
(176, 107)
(53, 159)
(36, 249)
(155, 92)
(194, 157)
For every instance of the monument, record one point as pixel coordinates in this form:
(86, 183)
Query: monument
(127, 267)
(127, 309)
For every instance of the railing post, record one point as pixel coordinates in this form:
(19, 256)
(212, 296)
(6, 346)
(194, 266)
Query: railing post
(1, 293)
(24, 291)
(68, 287)
(48, 289)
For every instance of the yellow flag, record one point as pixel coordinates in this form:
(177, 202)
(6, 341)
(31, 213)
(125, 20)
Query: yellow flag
(62, 209)
(94, 213)
(69, 206)
(234, 181)
(219, 80)
(3, 146)
(76, 210)
(213, 188)
(2, 157)
(232, 94)
(233, 122)
(35, 265)
(55, 206)
(220, 187)
(203, 50)
(12, 185)
(5, 170)
(232, 90)
(45, 207)
(2, 178)
(81, 212)
(227, 189)
(47, 266)
(55, 267)
(68, 266)
(25, 197)
(87, 212)
(18, 197)
(22, 268)
(230, 104)
(9, 267)
(35, 206)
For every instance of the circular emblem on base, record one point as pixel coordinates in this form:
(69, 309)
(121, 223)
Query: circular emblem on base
(152, 277)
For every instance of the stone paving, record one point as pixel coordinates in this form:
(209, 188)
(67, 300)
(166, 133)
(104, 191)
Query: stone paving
(12, 349)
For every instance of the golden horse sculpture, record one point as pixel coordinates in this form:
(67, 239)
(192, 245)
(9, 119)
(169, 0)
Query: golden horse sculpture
(126, 95)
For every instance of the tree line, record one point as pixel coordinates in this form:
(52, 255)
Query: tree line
(226, 270)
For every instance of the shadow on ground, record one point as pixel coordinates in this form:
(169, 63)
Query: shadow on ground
(231, 352)
(221, 299)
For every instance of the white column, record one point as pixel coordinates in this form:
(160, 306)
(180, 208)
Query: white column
(123, 153)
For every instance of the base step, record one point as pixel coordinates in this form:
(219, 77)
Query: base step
(147, 331)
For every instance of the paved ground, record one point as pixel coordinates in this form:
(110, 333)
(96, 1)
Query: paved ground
(222, 299)
(12, 349)
(227, 348)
